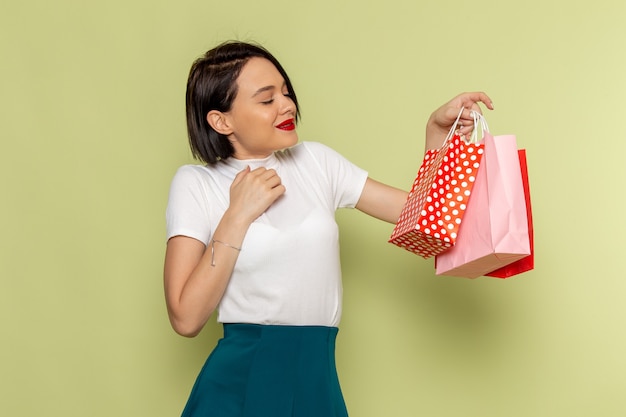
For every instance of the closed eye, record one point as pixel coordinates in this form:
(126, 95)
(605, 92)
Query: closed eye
(271, 100)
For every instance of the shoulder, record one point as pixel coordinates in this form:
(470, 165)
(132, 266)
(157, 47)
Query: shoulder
(187, 173)
(191, 169)
(191, 177)
(318, 147)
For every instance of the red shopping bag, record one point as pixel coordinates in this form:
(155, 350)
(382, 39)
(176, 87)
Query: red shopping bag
(430, 219)
(527, 263)
(495, 227)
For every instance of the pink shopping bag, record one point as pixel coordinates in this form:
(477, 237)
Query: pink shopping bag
(527, 263)
(495, 231)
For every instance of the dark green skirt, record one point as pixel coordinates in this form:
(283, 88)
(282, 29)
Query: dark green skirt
(269, 371)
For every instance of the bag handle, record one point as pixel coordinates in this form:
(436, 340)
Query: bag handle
(478, 118)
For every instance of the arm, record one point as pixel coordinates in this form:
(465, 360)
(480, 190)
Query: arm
(193, 287)
(385, 202)
(381, 201)
(195, 279)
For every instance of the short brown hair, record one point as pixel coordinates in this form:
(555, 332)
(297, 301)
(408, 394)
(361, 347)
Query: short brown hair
(212, 86)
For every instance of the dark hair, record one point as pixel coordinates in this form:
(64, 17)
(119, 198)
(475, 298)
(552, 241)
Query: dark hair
(212, 86)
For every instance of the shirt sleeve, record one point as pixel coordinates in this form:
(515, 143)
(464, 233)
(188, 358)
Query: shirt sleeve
(345, 178)
(187, 212)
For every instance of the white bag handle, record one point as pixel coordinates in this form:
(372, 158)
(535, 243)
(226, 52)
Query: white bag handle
(483, 125)
(478, 118)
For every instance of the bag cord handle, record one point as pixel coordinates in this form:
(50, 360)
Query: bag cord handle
(478, 119)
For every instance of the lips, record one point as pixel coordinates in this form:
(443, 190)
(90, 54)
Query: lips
(287, 125)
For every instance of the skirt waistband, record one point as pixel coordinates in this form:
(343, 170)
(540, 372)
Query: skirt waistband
(258, 331)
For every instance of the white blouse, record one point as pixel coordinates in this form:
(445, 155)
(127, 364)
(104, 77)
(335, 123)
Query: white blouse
(288, 271)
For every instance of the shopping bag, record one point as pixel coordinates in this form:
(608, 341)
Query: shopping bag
(527, 263)
(495, 226)
(430, 219)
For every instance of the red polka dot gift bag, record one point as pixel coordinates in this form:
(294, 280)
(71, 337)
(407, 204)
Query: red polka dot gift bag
(429, 222)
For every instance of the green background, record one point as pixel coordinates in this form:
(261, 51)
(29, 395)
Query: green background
(92, 131)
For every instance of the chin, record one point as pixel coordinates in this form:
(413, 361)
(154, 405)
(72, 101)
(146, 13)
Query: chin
(291, 141)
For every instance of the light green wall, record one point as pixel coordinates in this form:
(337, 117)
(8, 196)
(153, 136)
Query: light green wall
(92, 130)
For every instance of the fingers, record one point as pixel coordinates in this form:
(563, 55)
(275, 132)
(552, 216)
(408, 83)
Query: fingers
(267, 178)
(261, 176)
(240, 175)
(254, 191)
(471, 100)
(466, 122)
(442, 119)
(467, 118)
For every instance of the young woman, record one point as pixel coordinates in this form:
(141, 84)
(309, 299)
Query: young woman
(252, 233)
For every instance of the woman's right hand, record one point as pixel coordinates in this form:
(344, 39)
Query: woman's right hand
(254, 191)
(442, 119)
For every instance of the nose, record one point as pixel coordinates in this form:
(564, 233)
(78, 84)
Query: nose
(287, 105)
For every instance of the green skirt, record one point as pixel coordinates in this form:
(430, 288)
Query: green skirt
(269, 371)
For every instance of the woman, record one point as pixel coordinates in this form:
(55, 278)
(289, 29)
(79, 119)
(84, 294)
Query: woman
(252, 233)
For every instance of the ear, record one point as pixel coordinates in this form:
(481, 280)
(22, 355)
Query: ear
(219, 122)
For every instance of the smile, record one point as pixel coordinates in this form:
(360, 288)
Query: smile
(287, 125)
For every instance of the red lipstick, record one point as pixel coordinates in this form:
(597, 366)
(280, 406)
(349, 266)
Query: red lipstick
(288, 124)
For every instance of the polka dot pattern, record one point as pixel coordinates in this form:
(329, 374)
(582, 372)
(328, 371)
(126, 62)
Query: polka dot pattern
(430, 219)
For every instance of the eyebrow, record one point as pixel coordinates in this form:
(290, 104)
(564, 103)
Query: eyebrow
(267, 88)
(263, 89)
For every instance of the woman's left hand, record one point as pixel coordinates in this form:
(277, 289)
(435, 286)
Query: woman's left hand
(442, 119)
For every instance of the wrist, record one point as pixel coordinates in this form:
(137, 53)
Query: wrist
(235, 219)
(434, 136)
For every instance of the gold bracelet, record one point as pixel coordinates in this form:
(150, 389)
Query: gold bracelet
(213, 242)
